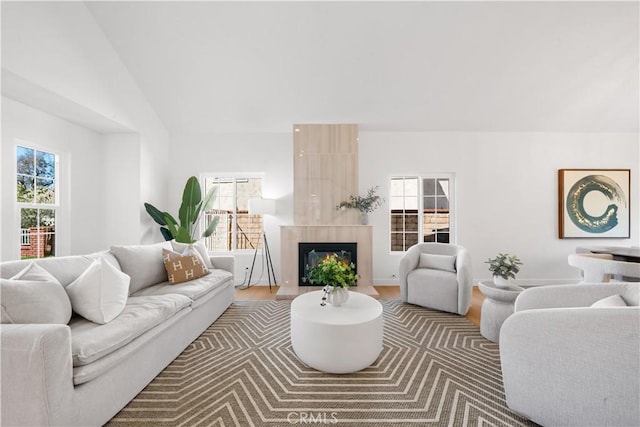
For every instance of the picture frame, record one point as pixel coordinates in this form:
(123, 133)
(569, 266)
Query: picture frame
(594, 203)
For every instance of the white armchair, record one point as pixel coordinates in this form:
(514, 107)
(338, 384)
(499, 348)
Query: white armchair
(565, 363)
(437, 275)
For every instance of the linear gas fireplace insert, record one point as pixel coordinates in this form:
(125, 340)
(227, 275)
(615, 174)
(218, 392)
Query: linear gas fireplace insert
(309, 254)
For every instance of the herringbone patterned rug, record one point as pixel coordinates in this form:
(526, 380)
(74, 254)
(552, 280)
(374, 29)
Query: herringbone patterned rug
(435, 369)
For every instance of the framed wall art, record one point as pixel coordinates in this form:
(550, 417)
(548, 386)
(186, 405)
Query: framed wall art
(594, 203)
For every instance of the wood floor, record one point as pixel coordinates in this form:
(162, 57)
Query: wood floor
(386, 292)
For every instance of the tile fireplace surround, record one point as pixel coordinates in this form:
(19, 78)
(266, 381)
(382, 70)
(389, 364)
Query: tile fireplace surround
(294, 234)
(325, 172)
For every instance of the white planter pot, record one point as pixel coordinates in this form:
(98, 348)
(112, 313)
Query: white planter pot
(501, 282)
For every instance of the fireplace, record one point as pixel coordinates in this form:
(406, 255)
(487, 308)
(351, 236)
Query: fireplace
(311, 253)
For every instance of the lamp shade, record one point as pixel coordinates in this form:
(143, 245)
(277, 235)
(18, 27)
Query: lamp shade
(262, 206)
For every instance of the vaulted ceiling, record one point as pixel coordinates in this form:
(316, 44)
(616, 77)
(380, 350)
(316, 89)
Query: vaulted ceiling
(388, 66)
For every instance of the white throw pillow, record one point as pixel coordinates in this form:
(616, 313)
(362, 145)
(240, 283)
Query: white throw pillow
(143, 263)
(100, 293)
(438, 262)
(34, 296)
(198, 246)
(608, 302)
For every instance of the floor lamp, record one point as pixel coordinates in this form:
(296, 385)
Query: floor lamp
(263, 207)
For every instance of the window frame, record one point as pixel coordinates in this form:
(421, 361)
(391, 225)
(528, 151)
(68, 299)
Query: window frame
(235, 176)
(20, 205)
(451, 176)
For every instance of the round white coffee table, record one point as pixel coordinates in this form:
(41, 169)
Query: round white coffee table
(336, 340)
(496, 307)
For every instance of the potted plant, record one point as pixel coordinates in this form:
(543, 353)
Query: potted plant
(336, 274)
(191, 209)
(504, 267)
(365, 205)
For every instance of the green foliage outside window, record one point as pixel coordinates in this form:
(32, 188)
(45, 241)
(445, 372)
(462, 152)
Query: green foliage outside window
(36, 172)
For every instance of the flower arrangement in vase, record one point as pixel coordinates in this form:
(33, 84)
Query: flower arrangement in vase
(336, 273)
(504, 267)
(365, 205)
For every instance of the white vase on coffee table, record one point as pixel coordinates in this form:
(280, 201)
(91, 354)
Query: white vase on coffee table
(336, 295)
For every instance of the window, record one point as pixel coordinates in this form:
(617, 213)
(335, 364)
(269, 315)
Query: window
(37, 198)
(421, 210)
(236, 230)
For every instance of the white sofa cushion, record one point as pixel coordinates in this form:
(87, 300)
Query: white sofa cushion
(65, 269)
(100, 293)
(34, 296)
(143, 263)
(194, 289)
(438, 262)
(198, 246)
(609, 302)
(91, 341)
(99, 367)
(433, 288)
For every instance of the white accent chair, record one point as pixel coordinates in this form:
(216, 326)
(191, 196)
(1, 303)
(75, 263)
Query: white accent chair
(598, 268)
(437, 275)
(565, 363)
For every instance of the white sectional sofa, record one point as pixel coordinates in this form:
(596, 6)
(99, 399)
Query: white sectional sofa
(83, 373)
(566, 363)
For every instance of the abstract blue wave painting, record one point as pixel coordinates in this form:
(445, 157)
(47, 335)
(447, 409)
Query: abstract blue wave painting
(594, 203)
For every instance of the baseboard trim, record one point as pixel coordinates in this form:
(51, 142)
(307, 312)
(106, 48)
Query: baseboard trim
(519, 282)
(529, 283)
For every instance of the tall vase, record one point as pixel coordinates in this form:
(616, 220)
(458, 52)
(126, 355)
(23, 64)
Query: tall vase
(364, 218)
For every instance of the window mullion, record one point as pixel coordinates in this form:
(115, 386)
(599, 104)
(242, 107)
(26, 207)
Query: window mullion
(234, 222)
(420, 197)
(39, 232)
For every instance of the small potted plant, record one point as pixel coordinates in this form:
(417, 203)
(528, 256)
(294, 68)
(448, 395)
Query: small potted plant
(504, 267)
(365, 205)
(336, 274)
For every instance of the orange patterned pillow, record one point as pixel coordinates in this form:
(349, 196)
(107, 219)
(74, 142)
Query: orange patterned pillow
(183, 267)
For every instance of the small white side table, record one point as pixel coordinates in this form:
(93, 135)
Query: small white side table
(496, 307)
(336, 340)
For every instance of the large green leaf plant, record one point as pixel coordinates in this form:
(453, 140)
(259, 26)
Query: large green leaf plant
(191, 210)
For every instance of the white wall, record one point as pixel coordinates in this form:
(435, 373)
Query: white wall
(121, 163)
(81, 178)
(506, 186)
(59, 48)
(506, 190)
